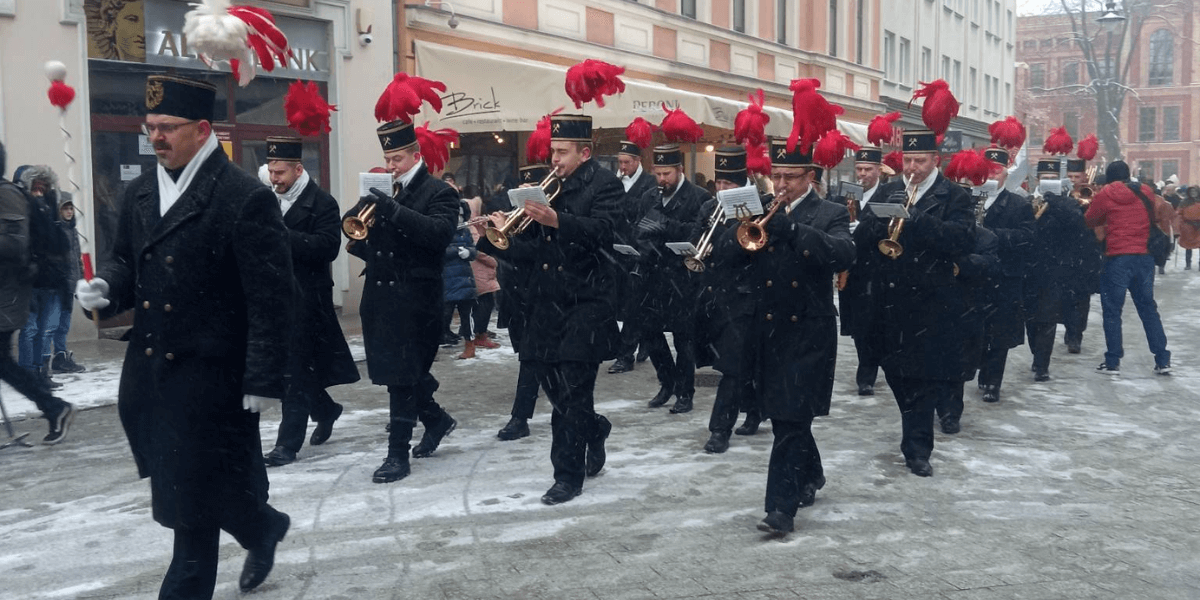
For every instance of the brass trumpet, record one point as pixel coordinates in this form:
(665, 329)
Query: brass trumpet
(890, 246)
(752, 234)
(695, 263)
(357, 227)
(517, 221)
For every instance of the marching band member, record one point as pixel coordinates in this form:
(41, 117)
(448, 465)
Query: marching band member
(637, 182)
(1086, 280)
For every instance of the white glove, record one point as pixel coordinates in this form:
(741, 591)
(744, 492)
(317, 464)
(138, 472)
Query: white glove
(463, 253)
(91, 294)
(255, 404)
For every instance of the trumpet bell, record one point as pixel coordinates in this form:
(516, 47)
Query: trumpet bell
(498, 238)
(358, 227)
(890, 248)
(752, 236)
(694, 264)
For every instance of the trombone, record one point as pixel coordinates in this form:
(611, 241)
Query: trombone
(517, 221)
(890, 246)
(358, 226)
(695, 263)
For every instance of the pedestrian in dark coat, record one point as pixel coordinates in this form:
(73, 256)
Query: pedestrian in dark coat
(571, 323)
(401, 307)
(318, 355)
(202, 258)
(918, 330)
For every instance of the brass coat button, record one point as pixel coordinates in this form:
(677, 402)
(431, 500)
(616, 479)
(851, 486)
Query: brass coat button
(794, 318)
(146, 256)
(170, 259)
(166, 308)
(146, 304)
(795, 284)
(769, 316)
(806, 254)
(545, 266)
(170, 356)
(770, 283)
(149, 351)
(560, 269)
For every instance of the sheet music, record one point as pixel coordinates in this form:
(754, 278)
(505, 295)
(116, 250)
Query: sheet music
(888, 210)
(626, 249)
(851, 190)
(682, 248)
(380, 181)
(519, 196)
(744, 198)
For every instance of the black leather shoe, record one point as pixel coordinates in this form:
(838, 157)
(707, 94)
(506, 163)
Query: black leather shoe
(1041, 376)
(260, 560)
(433, 436)
(717, 443)
(866, 390)
(920, 467)
(776, 523)
(621, 365)
(991, 393)
(660, 398)
(642, 353)
(279, 456)
(808, 493)
(750, 427)
(1074, 349)
(950, 425)
(392, 469)
(516, 429)
(595, 457)
(560, 492)
(324, 429)
(683, 404)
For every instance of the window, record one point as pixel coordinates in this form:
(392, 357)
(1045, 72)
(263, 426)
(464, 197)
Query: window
(1145, 169)
(859, 25)
(1162, 58)
(1103, 68)
(739, 16)
(781, 21)
(956, 81)
(973, 93)
(889, 56)
(1169, 168)
(926, 64)
(1146, 117)
(1071, 122)
(1030, 45)
(1037, 75)
(833, 27)
(1008, 95)
(1070, 73)
(905, 62)
(1170, 125)
(946, 68)
(687, 8)
(987, 92)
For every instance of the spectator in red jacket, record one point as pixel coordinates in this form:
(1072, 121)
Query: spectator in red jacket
(1128, 266)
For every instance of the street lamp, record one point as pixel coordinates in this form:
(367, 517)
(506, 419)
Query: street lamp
(1112, 17)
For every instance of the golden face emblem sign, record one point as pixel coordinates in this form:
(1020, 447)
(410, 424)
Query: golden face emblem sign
(154, 94)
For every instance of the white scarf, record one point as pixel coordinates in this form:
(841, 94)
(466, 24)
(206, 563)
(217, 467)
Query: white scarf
(288, 198)
(632, 179)
(169, 191)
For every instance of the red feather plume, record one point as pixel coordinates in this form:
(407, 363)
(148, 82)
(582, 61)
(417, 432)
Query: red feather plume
(593, 80)
(1009, 133)
(812, 114)
(831, 148)
(894, 161)
(61, 94)
(678, 127)
(969, 165)
(640, 132)
(1058, 142)
(757, 160)
(750, 125)
(435, 146)
(537, 147)
(403, 97)
(267, 40)
(307, 112)
(940, 105)
(1087, 147)
(881, 131)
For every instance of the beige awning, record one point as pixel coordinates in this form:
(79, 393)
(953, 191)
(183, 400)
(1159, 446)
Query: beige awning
(492, 92)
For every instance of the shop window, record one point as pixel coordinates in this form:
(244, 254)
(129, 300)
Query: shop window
(1146, 117)
(261, 102)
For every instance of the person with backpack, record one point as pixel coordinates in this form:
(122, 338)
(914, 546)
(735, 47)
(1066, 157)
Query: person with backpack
(16, 287)
(49, 248)
(1126, 212)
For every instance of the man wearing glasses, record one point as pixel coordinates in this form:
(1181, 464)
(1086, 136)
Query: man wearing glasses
(201, 257)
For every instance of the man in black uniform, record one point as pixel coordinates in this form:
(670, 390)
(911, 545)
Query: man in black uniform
(854, 300)
(917, 329)
(202, 258)
(669, 214)
(637, 182)
(791, 343)
(318, 356)
(1085, 281)
(570, 324)
(1010, 218)
(401, 306)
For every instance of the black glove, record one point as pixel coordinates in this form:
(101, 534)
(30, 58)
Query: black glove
(385, 205)
(898, 196)
(648, 227)
(780, 226)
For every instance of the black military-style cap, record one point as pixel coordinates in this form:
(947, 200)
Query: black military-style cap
(1076, 165)
(780, 157)
(396, 135)
(730, 164)
(920, 141)
(533, 174)
(180, 97)
(1048, 166)
(570, 128)
(869, 154)
(285, 148)
(630, 148)
(997, 155)
(668, 156)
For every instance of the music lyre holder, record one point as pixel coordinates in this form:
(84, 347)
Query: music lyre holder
(13, 439)
(741, 212)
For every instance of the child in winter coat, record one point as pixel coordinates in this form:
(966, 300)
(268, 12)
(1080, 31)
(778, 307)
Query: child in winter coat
(459, 282)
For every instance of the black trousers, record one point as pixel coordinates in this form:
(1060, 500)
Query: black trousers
(575, 424)
(951, 405)
(991, 368)
(25, 381)
(1041, 343)
(1075, 318)
(733, 394)
(407, 404)
(303, 399)
(795, 461)
(193, 571)
(917, 399)
(464, 307)
(525, 400)
(868, 368)
(482, 314)
(677, 373)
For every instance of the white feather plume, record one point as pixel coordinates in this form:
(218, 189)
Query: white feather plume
(216, 35)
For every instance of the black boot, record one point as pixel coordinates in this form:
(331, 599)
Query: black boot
(717, 443)
(279, 456)
(660, 398)
(595, 457)
(516, 429)
(623, 364)
(434, 435)
(991, 393)
(324, 429)
(261, 559)
(64, 362)
(750, 427)
(392, 469)
(683, 404)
